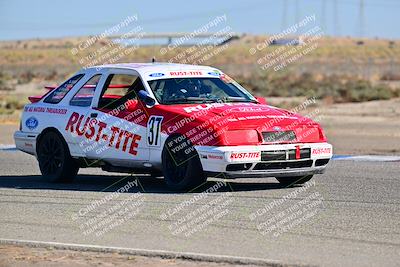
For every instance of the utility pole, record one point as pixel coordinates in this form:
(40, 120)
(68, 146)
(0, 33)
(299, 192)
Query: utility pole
(361, 19)
(284, 15)
(323, 16)
(297, 15)
(336, 18)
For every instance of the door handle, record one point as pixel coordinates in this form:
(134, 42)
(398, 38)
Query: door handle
(93, 115)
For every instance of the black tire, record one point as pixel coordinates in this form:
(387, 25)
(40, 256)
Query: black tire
(55, 161)
(288, 181)
(182, 168)
(156, 173)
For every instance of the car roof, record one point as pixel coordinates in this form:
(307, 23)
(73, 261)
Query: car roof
(154, 67)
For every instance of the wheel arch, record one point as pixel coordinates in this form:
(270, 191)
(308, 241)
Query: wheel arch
(174, 135)
(163, 144)
(47, 130)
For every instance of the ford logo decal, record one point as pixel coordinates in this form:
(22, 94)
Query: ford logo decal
(157, 74)
(31, 123)
(277, 128)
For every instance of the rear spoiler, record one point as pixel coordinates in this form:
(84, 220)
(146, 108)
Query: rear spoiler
(37, 98)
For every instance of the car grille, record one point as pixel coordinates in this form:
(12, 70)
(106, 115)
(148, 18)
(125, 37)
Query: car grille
(305, 153)
(279, 136)
(283, 165)
(273, 155)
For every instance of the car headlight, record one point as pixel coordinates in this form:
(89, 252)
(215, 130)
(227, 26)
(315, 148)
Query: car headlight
(322, 135)
(242, 137)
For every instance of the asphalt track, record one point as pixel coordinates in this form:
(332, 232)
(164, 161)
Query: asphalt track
(349, 216)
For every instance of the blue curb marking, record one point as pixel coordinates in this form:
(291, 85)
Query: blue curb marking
(341, 157)
(7, 148)
(375, 158)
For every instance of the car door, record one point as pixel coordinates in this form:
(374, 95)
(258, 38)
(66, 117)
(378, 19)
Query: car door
(120, 120)
(81, 126)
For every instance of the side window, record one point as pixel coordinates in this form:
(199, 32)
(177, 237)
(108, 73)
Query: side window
(158, 88)
(84, 96)
(58, 94)
(118, 89)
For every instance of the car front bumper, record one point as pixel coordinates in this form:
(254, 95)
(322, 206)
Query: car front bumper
(261, 161)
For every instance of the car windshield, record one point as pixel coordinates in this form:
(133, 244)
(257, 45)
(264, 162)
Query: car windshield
(199, 90)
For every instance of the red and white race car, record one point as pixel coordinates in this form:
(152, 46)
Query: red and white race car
(183, 122)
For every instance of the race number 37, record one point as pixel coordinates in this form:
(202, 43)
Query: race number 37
(153, 130)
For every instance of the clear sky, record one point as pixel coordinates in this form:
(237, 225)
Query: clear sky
(52, 18)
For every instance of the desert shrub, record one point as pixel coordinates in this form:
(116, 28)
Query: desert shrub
(4, 86)
(390, 76)
(11, 103)
(51, 76)
(26, 77)
(338, 88)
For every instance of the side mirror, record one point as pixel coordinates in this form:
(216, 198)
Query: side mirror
(261, 100)
(146, 98)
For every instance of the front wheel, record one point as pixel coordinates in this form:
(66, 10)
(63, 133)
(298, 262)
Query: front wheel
(181, 164)
(288, 181)
(55, 161)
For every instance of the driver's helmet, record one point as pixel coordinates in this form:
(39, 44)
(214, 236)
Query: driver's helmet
(190, 88)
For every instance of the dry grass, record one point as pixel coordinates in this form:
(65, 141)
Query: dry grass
(339, 70)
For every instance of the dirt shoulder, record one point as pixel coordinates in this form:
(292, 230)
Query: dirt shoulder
(16, 256)
(7, 132)
(363, 128)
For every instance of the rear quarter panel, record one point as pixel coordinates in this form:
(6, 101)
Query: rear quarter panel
(49, 116)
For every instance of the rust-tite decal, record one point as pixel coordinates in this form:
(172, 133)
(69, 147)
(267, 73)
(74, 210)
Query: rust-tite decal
(93, 129)
(321, 151)
(239, 156)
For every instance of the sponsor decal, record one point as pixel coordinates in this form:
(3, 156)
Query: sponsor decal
(157, 74)
(93, 129)
(252, 109)
(211, 156)
(213, 105)
(226, 79)
(240, 156)
(214, 73)
(46, 110)
(321, 151)
(28, 145)
(31, 123)
(185, 73)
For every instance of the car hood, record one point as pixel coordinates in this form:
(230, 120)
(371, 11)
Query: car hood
(239, 115)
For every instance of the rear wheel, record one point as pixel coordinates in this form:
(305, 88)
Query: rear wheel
(55, 161)
(181, 164)
(287, 181)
